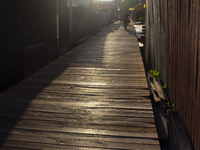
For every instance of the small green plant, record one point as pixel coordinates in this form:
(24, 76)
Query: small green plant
(154, 73)
(164, 87)
(169, 107)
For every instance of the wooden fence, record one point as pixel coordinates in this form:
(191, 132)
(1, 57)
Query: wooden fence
(173, 48)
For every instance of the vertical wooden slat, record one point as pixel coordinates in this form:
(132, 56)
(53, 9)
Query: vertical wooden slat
(197, 129)
(192, 64)
(194, 79)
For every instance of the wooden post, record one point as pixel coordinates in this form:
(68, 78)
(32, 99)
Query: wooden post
(70, 25)
(100, 21)
(57, 28)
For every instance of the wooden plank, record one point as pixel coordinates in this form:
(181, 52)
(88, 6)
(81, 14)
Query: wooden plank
(67, 132)
(49, 146)
(80, 140)
(59, 128)
(35, 146)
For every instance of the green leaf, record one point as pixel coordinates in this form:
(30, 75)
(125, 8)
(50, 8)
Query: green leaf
(164, 87)
(151, 71)
(169, 107)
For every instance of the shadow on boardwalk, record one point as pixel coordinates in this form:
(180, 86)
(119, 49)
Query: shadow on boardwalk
(94, 96)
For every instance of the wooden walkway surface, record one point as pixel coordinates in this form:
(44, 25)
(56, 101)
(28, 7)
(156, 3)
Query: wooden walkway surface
(93, 97)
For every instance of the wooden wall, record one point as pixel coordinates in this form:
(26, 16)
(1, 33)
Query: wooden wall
(24, 23)
(173, 48)
(29, 23)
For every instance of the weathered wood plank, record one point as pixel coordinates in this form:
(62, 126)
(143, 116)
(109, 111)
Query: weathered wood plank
(95, 146)
(71, 139)
(59, 128)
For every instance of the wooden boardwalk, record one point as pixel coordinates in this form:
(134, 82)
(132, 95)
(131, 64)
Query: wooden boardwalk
(93, 97)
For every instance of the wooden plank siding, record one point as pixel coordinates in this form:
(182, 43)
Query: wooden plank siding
(180, 68)
(93, 97)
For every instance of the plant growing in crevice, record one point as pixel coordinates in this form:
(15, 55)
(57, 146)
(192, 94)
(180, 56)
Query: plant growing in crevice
(169, 107)
(164, 86)
(155, 73)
